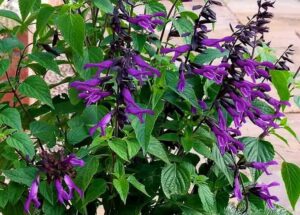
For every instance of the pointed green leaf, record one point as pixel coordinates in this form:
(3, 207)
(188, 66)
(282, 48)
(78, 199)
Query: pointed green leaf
(22, 175)
(21, 142)
(143, 131)
(10, 15)
(46, 60)
(104, 5)
(280, 79)
(175, 179)
(11, 117)
(207, 197)
(35, 87)
(290, 175)
(156, 148)
(72, 27)
(138, 185)
(122, 187)
(119, 147)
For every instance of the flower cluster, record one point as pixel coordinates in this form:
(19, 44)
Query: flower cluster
(240, 83)
(59, 169)
(129, 66)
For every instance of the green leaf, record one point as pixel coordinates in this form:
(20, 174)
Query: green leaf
(21, 142)
(25, 7)
(22, 175)
(35, 87)
(86, 173)
(184, 26)
(3, 198)
(43, 17)
(122, 187)
(77, 134)
(154, 7)
(72, 28)
(48, 192)
(257, 150)
(57, 209)
(175, 179)
(188, 94)
(44, 131)
(143, 131)
(291, 174)
(156, 148)
(207, 197)
(280, 80)
(104, 5)
(209, 55)
(95, 190)
(46, 60)
(139, 41)
(138, 185)
(119, 147)
(4, 65)
(221, 163)
(10, 15)
(11, 117)
(133, 147)
(7, 45)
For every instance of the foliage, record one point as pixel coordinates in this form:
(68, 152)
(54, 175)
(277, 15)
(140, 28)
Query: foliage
(140, 131)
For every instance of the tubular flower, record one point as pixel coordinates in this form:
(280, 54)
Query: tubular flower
(224, 135)
(147, 22)
(132, 107)
(262, 166)
(215, 73)
(101, 66)
(253, 68)
(181, 82)
(33, 195)
(237, 188)
(262, 191)
(216, 42)
(89, 90)
(178, 51)
(102, 124)
(144, 67)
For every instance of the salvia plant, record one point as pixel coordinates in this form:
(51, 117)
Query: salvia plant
(151, 119)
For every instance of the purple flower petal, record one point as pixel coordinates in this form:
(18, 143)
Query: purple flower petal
(33, 195)
(102, 124)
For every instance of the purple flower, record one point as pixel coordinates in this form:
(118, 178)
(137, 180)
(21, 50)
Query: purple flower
(202, 104)
(263, 166)
(178, 51)
(251, 67)
(262, 191)
(33, 195)
(89, 90)
(144, 67)
(216, 42)
(74, 161)
(237, 188)
(62, 195)
(101, 66)
(181, 82)
(215, 73)
(72, 186)
(132, 107)
(148, 22)
(102, 124)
